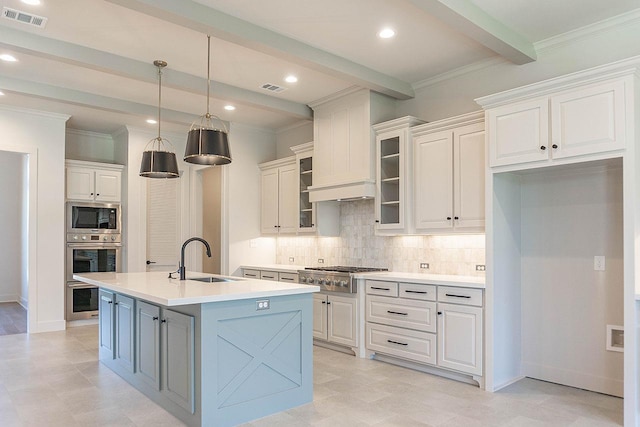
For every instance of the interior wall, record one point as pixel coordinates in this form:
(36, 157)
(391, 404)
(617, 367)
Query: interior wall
(23, 297)
(293, 135)
(89, 146)
(42, 136)
(568, 217)
(211, 217)
(11, 171)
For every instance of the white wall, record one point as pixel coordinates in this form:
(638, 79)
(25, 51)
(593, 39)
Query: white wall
(249, 147)
(89, 146)
(42, 135)
(11, 212)
(567, 219)
(437, 99)
(293, 135)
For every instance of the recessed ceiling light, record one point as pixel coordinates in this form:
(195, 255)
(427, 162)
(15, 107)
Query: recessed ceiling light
(291, 79)
(31, 2)
(386, 33)
(229, 107)
(8, 58)
(152, 121)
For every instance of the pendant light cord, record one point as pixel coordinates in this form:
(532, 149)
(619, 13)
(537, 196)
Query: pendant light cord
(208, 71)
(159, 100)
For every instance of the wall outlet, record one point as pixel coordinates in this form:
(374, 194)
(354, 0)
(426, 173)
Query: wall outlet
(598, 263)
(291, 259)
(480, 267)
(262, 304)
(320, 260)
(424, 265)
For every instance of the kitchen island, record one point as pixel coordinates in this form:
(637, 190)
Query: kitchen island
(211, 353)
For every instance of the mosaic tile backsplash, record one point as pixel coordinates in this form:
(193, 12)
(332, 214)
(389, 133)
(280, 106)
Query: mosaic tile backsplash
(359, 246)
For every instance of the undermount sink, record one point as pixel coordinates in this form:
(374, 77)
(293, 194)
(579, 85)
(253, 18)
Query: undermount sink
(211, 279)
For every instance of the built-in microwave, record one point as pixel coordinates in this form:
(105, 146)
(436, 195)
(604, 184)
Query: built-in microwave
(93, 218)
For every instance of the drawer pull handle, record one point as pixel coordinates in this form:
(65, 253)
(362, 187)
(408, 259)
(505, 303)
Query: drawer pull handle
(250, 275)
(398, 343)
(458, 296)
(287, 278)
(269, 277)
(380, 289)
(415, 292)
(397, 312)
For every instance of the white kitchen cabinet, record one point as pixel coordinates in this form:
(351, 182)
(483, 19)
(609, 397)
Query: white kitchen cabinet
(449, 170)
(278, 276)
(90, 181)
(394, 170)
(581, 121)
(460, 338)
(279, 207)
(335, 319)
(343, 150)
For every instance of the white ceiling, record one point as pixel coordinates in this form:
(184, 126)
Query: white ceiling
(93, 60)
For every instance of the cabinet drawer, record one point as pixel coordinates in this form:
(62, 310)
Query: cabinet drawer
(379, 287)
(269, 275)
(465, 296)
(416, 291)
(288, 277)
(404, 343)
(412, 314)
(251, 274)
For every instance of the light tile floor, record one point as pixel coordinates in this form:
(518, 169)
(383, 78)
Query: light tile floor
(54, 379)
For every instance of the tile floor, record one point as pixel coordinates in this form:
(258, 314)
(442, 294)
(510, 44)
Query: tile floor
(13, 318)
(54, 379)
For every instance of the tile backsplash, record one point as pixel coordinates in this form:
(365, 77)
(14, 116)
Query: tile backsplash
(359, 246)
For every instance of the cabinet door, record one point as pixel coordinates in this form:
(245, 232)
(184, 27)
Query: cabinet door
(469, 170)
(343, 320)
(148, 343)
(269, 202)
(433, 174)
(391, 176)
(125, 325)
(588, 120)
(320, 316)
(288, 214)
(80, 183)
(460, 338)
(178, 358)
(106, 329)
(518, 132)
(107, 186)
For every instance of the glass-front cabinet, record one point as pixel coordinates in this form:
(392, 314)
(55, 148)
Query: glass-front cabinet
(307, 221)
(394, 169)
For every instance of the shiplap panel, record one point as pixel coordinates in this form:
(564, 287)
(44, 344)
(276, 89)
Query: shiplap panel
(163, 221)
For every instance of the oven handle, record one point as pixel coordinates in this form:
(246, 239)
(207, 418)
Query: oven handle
(89, 245)
(80, 285)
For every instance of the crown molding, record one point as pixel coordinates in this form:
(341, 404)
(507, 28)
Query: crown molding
(40, 113)
(449, 123)
(337, 95)
(460, 71)
(89, 133)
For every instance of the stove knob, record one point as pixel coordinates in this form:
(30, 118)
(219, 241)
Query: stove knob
(104, 238)
(329, 282)
(343, 283)
(310, 280)
(113, 238)
(84, 237)
(320, 281)
(75, 237)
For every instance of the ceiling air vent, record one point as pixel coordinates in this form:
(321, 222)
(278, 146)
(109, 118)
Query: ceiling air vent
(273, 88)
(25, 18)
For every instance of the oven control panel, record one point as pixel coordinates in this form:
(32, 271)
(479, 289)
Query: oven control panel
(93, 238)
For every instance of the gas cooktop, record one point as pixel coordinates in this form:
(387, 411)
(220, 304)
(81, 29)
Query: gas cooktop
(346, 269)
(335, 278)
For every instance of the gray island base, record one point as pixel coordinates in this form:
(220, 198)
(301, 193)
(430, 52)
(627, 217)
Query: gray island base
(219, 362)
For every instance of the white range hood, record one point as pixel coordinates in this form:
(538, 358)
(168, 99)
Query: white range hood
(343, 192)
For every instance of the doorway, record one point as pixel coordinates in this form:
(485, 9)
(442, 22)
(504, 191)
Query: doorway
(14, 228)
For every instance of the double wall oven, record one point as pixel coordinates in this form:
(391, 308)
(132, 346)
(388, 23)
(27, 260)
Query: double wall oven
(93, 245)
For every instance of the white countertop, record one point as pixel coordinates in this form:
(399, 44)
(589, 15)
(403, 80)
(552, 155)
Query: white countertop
(280, 268)
(158, 288)
(427, 279)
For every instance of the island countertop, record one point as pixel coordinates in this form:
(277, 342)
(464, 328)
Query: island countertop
(158, 288)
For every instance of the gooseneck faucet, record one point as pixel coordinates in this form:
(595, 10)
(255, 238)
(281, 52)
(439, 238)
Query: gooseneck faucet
(181, 269)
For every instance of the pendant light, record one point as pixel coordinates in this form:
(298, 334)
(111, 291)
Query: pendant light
(208, 139)
(158, 161)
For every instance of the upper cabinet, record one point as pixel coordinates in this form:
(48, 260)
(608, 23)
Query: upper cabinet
(449, 170)
(343, 151)
(394, 171)
(278, 196)
(584, 120)
(91, 181)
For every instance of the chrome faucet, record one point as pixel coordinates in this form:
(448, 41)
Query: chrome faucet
(181, 269)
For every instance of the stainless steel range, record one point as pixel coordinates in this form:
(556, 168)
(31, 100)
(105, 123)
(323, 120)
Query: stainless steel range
(334, 279)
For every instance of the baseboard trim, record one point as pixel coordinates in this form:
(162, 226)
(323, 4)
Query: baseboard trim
(570, 378)
(50, 326)
(8, 298)
(507, 383)
(86, 322)
(465, 378)
(24, 302)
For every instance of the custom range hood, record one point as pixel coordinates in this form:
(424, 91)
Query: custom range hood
(344, 144)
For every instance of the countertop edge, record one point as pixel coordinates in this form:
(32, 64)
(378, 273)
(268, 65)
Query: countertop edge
(280, 268)
(432, 279)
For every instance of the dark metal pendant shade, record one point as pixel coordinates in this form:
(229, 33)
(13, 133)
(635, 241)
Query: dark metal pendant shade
(207, 147)
(159, 164)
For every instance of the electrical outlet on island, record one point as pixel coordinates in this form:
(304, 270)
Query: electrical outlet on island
(480, 267)
(424, 265)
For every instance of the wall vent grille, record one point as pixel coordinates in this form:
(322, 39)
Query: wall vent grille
(273, 88)
(25, 18)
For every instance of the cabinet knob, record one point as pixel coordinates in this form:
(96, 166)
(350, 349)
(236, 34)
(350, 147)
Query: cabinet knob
(554, 146)
(439, 313)
(448, 218)
(377, 221)
(324, 302)
(91, 194)
(110, 302)
(328, 303)
(164, 321)
(155, 317)
(97, 194)
(456, 218)
(542, 147)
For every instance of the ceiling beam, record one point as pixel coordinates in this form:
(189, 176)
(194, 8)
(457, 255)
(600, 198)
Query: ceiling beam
(468, 19)
(94, 59)
(86, 99)
(206, 20)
